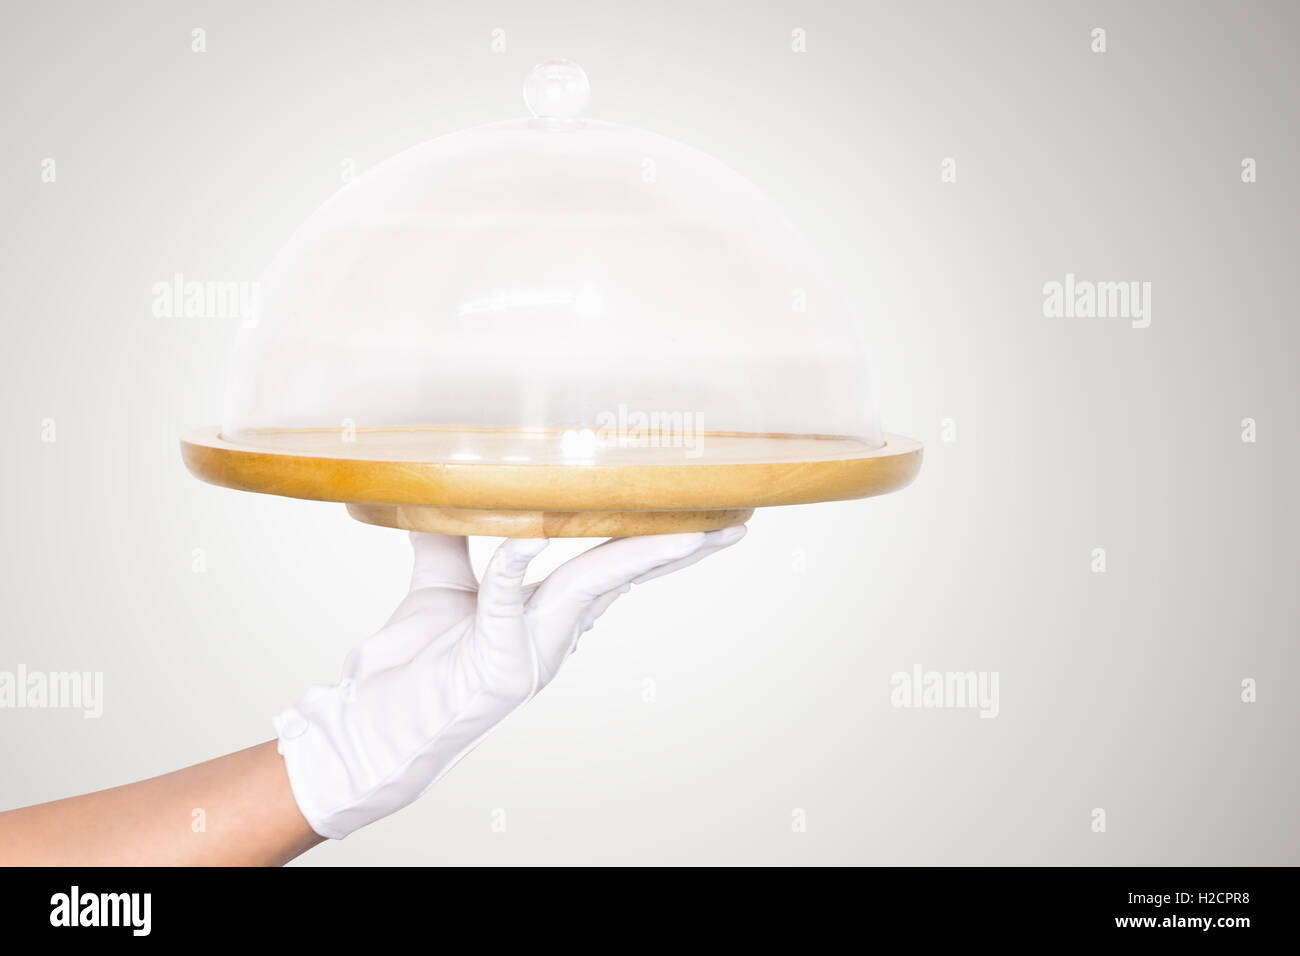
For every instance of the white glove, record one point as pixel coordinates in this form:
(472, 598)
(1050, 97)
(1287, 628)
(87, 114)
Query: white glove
(454, 660)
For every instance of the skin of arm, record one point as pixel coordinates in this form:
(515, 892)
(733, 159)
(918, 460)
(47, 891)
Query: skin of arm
(249, 815)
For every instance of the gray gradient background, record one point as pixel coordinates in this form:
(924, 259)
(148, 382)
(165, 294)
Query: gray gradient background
(1118, 690)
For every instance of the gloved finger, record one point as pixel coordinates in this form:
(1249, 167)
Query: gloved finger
(501, 593)
(610, 566)
(714, 542)
(441, 575)
(598, 607)
(441, 560)
(593, 611)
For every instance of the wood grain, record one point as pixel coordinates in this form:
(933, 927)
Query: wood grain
(736, 472)
(545, 524)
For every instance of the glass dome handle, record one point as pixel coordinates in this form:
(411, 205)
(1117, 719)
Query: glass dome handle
(557, 90)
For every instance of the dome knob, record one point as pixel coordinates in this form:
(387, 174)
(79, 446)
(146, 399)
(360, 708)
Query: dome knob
(557, 89)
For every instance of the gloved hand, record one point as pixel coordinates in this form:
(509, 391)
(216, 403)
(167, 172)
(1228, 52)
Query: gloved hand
(454, 660)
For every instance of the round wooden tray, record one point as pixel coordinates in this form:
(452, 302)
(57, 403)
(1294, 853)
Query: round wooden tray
(527, 482)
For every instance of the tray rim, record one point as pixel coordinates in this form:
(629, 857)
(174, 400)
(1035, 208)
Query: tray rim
(549, 487)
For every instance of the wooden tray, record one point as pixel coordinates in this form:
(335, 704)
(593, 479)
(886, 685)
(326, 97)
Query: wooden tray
(524, 482)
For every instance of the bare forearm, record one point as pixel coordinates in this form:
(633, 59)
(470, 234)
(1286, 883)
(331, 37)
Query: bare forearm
(236, 810)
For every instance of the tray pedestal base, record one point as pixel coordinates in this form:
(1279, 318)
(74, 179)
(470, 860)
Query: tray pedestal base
(545, 524)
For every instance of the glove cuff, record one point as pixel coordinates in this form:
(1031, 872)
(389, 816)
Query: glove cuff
(314, 770)
(337, 795)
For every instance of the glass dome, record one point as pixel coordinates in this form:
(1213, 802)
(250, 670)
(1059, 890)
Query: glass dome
(550, 327)
(556, 290)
